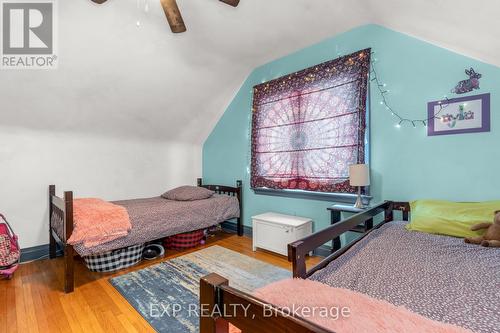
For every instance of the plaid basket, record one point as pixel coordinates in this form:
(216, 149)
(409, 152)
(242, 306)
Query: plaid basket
(115, 260)
(185, 240)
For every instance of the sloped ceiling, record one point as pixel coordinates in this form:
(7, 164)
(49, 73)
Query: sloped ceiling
(118, 79)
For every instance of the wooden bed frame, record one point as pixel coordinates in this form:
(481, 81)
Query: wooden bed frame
(215, 292)
(61, 224)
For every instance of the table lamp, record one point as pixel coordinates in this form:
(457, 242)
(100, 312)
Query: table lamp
(359, 175)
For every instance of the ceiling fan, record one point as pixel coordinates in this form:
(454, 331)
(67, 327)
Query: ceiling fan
(173, 13)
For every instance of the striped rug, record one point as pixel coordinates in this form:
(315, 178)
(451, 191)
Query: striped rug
(166, 294)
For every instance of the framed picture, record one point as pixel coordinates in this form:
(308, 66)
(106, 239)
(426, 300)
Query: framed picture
(469, 114)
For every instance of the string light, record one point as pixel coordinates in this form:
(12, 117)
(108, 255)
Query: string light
(138, 22)
(141, 5)
(400, 120)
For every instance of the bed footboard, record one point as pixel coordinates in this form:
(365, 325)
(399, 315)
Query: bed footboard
(60, 230)
(246, 312)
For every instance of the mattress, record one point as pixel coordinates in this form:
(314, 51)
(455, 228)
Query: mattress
(155, 218)
(439, 277)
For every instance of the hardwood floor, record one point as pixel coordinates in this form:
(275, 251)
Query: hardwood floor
(33, 300)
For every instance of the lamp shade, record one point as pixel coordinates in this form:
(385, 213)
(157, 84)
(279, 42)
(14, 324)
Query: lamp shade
(359, 175)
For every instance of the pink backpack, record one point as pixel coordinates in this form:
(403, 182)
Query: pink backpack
(9, 249)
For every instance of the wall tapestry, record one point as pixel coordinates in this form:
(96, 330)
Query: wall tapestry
(469, 114)
(309, 126)
(468, 85)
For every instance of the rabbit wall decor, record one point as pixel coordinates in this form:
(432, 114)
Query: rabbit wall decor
(468, 85)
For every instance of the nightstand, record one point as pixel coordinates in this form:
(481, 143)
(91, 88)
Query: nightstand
(336, 216)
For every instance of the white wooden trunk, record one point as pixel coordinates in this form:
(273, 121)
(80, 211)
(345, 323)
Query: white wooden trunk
(273, 231)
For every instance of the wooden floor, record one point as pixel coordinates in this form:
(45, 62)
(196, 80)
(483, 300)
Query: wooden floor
(33, 300)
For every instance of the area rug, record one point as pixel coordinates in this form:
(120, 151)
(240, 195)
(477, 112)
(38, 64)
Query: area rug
(166, 294)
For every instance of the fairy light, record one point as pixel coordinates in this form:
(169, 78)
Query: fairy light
(400, 120)
(142, 5)
(138, 22)
(385, 92)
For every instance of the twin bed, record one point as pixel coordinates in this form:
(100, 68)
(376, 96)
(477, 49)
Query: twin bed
(151, 219)
(438, 277)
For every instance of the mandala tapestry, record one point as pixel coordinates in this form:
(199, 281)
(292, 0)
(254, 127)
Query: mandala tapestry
(309, 126)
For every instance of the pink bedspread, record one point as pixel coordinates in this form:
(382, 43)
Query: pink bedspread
(96, 222)
(365, 314)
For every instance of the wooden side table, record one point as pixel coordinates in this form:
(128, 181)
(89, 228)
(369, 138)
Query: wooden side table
(336, 216)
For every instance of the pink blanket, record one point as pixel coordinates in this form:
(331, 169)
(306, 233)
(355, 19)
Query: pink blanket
(96, 221)
(348, 311)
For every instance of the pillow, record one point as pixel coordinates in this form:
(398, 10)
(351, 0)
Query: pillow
(450, 218)
(188, 193)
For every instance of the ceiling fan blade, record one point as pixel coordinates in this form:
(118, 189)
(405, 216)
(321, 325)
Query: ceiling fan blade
(100, 2)
(173, 15)
(233, 3)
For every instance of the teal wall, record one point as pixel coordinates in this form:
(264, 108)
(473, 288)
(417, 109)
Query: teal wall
(406, 164)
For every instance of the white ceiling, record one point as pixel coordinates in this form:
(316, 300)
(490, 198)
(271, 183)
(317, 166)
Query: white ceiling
(117, 79)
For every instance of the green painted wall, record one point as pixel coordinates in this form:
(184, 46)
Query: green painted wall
(406, 164)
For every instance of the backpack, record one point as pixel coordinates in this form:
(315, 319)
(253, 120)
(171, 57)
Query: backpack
(9, 249)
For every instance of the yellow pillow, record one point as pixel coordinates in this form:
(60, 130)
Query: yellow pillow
(450, 218)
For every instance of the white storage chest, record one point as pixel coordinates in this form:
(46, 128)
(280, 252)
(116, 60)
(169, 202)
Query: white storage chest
(274, 231)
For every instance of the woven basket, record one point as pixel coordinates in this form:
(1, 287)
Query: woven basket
(115, 260)
(185, 240)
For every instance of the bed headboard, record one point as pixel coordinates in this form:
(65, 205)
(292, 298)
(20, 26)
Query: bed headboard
(403, 207)
(232, 191)
(222, 189)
